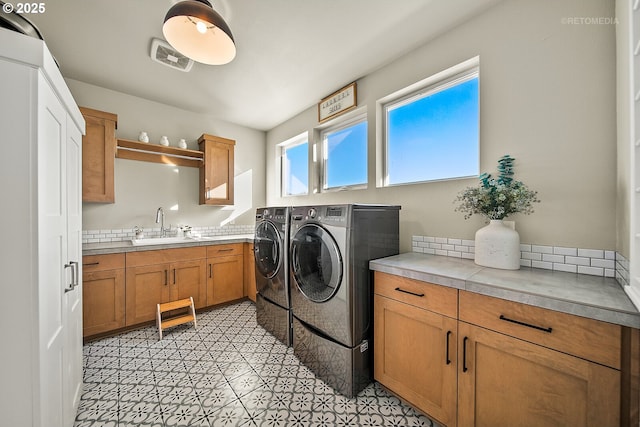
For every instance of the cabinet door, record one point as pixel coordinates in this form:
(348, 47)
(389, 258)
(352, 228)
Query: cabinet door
(216, 173)
(504, 381)
(224, 279)
(73, 314)
(52, 233)
(98, 154)
(188, 279)
(103, 295)
(146, 286)
(415, 356)
(249, 272)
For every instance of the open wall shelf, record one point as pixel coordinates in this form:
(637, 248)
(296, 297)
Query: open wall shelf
(134, 150)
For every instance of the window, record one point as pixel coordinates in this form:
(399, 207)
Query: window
(295, 166)
(344, 149)
(433, 133)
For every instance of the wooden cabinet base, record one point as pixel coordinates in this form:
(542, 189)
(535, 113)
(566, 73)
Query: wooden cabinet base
(103, 296)
(424, 371)
(505, 381)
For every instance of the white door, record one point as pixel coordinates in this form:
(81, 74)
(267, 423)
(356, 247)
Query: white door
(73, 322)
(53, 277)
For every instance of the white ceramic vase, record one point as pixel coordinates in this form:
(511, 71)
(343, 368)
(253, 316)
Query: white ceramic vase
(497, 246)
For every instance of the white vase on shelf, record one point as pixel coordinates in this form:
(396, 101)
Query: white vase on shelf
(498, 246)
(143, 137)
(182, 143)
(164, 141)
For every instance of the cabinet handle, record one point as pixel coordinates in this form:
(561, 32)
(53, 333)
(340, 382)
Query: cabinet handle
(517, 322)
(166, 277)
(447, 359)
(210, 271)
(92, 263)
(464, 354)
(74, 275)
(174, 276)
(225, 250)
(409, 292)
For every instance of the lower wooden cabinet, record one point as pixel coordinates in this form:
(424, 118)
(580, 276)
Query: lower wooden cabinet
(498, 362)
(505, 381)
(147, 286)
(225, 273)
(103, 293)
(115, 297)
(415, 356)
(155, 277)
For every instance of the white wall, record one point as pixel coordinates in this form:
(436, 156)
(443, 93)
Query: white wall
(624, 100)
(547, 97)
(142, 187)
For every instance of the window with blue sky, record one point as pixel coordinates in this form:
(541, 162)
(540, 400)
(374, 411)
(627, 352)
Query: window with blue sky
(433, 134)
(295, 166)
(345, 154)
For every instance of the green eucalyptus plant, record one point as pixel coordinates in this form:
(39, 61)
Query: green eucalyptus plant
(497, 198)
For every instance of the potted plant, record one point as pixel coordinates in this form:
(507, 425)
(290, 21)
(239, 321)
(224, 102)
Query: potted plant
(497, 245)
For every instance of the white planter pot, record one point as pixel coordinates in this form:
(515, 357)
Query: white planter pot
(498, 246)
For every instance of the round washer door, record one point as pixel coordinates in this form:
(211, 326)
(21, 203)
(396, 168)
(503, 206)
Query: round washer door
(267, 248)
(316, 262)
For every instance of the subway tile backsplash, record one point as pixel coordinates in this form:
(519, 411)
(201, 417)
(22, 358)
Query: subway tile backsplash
(120, 234)
(595, 262)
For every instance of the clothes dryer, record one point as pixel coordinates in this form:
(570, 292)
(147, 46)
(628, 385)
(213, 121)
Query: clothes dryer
(331, 295)
(273, 308)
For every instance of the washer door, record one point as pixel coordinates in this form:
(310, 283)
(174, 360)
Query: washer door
(267, 249)
(316, 262)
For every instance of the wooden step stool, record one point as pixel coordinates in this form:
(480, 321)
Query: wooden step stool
(177, 320)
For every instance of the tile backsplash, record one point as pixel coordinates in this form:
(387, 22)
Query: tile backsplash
(121, 234)
(595, 262)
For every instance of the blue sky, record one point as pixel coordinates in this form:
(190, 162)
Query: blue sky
(347, 160)
(435, 137)
(298, 160)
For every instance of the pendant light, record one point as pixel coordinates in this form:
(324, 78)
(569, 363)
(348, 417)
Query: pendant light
(198, 32)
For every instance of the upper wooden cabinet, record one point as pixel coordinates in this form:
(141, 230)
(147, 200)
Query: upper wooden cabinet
(216, 173)
(98, 154)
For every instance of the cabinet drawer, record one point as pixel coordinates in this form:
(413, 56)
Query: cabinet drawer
(586, 338)
(436, 298)
(102, 262)
(161, 256)
(224, 250)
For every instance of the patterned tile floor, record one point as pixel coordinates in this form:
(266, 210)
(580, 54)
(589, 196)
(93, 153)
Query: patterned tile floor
(227, 372)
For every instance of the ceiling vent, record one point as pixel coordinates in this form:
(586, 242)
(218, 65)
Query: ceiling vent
(163, 53)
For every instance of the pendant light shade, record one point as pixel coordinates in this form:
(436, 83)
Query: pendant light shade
(198, 32)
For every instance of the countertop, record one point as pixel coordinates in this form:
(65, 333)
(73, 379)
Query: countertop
(127, 246)
(593, 297)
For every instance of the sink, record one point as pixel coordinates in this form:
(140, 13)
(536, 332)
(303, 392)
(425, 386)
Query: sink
(160, 241)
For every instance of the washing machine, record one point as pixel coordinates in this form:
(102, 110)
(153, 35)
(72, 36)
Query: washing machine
(273, 308)
(331, 295)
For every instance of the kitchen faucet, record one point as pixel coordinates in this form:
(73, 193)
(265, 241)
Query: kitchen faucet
(160, 220)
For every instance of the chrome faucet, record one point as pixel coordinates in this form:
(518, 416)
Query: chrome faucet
(160, 220)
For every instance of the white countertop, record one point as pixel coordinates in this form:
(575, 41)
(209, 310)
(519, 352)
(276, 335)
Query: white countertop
(593, 297)
(127, 246)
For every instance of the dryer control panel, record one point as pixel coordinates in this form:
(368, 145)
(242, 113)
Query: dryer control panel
(328, 214)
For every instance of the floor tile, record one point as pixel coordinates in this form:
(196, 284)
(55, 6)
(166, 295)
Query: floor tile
(227, 372)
